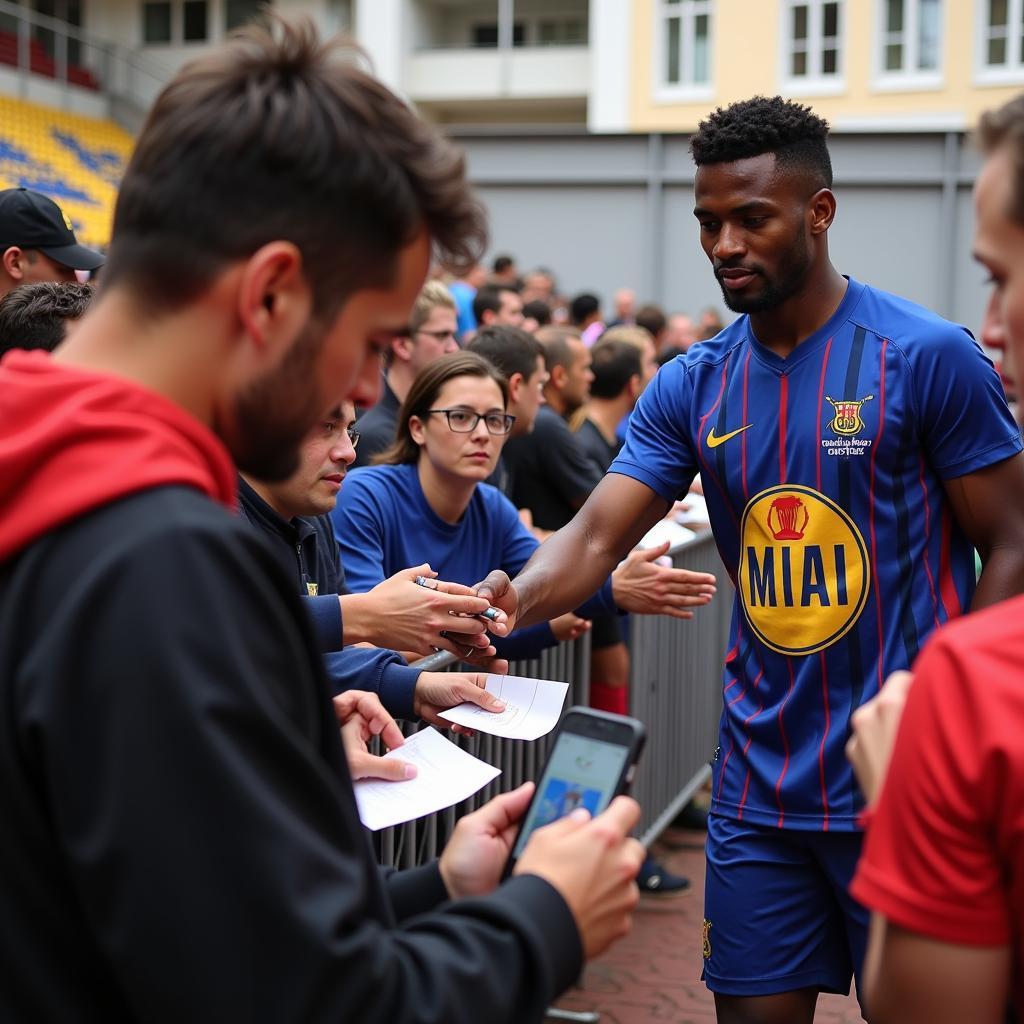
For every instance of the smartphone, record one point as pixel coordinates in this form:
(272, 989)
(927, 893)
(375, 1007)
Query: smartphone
(592, 761)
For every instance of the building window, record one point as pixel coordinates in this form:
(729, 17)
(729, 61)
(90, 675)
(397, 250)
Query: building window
(563, 32)
(195, 21)
(485, 37)
(911, 37)
(813, 41)
(156, 22)
(1002, 39)
(241, 12)
(686, 43)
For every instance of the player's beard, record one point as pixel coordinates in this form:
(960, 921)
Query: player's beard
(789, 278)
(275, 413)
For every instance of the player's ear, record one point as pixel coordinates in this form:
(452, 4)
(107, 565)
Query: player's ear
(822, 211)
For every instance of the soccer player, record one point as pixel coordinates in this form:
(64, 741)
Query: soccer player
(854, 449)
(943, 864)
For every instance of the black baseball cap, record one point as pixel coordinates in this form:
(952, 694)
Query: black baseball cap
(30, 220)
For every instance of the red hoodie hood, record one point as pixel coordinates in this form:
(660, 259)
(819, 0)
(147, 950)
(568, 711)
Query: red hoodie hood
(72, 440)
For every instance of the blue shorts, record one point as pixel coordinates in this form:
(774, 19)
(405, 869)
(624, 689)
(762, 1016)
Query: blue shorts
(777, 912)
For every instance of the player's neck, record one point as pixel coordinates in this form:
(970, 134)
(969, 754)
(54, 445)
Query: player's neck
(784, 328)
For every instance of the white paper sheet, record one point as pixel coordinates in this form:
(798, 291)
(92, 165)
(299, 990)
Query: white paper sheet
(533, 708)
(447, 774)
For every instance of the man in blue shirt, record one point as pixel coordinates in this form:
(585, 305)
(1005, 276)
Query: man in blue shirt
(854, 449)
(293, 515)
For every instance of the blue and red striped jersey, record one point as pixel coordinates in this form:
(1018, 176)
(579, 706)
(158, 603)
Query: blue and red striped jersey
(823, 473)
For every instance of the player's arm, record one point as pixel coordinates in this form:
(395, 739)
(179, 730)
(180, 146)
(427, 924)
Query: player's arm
(571, 565)
(989, 505)
(912, 979)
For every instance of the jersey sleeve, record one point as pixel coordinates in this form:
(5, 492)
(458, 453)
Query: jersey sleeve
(359, 526)
(965, 422)
(658, 451)
(929, 863)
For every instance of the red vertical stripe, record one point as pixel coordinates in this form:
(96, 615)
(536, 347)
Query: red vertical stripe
(700, 443)
(783, 402)
(824, 738)
(871, 511)
(821, 396)
(927, 544)
(947, 586)
(785, 744)
(743, 438)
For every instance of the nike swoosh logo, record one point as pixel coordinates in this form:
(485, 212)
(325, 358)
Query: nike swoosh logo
(714, 442)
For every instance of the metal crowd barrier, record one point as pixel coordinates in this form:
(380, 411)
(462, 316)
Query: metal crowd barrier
(675, 690)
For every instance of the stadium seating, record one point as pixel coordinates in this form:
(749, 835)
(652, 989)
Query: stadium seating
(77, 161)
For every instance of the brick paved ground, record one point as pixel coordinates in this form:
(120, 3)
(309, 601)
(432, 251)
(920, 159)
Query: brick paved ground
(653, 976)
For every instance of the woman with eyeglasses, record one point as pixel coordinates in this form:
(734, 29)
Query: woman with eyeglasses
(426, 501)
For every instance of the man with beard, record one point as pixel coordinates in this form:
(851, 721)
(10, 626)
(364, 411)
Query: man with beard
(180, 835)
(854, 449)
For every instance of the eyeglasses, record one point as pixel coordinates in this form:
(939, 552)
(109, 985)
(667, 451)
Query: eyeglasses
(464, 421)
(353, 436)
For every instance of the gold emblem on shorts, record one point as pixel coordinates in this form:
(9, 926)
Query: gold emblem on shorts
(312, 589)
(707, 939)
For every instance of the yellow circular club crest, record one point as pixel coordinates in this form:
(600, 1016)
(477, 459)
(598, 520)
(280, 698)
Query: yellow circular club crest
(804, 572)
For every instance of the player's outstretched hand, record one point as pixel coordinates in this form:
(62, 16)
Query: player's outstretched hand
(362, 716)
(593, 863)
(874, 725)
(498, 591)
(475, 856)
(641, 586)
(439, 691)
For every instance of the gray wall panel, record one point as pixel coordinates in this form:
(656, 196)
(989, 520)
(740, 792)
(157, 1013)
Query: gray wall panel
(607, 212)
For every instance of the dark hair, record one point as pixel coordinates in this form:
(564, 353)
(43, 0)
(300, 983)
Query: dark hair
(614, 364)
(652, 318)
(503, 263)
(554, 341)
(510, 349)
(539, 310)
(489, 298)
(36, 315)
(582, 306)
(423, 394)
(275, 135)
(1005, 128)
(793, 132)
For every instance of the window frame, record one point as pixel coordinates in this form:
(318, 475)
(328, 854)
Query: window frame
(815, 82)
(171, 24)
(910, 78)
(1012, 72)
(685, 90)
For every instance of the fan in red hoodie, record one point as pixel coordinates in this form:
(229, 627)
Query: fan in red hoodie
(180, 840)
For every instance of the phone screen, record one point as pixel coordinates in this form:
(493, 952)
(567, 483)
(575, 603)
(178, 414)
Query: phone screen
(581, 772)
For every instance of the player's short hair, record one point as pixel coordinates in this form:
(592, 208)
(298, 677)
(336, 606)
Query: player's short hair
(614, 364)
(585, 304)
(488, 298)
(1004, 129)
(511, 349)
(422, 397)
(554, 340)
(793, 132)
(35, 316)
(278, 136)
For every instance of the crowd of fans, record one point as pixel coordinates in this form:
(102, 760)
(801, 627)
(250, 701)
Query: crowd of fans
(181, 839)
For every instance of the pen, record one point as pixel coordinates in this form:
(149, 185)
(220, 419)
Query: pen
(490, 614)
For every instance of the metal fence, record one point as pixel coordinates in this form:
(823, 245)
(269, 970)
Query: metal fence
(675, 690)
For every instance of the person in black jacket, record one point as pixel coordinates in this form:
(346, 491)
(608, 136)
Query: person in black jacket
(180, 838)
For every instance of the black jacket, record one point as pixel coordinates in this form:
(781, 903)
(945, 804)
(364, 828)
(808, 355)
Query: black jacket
(179, 836)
